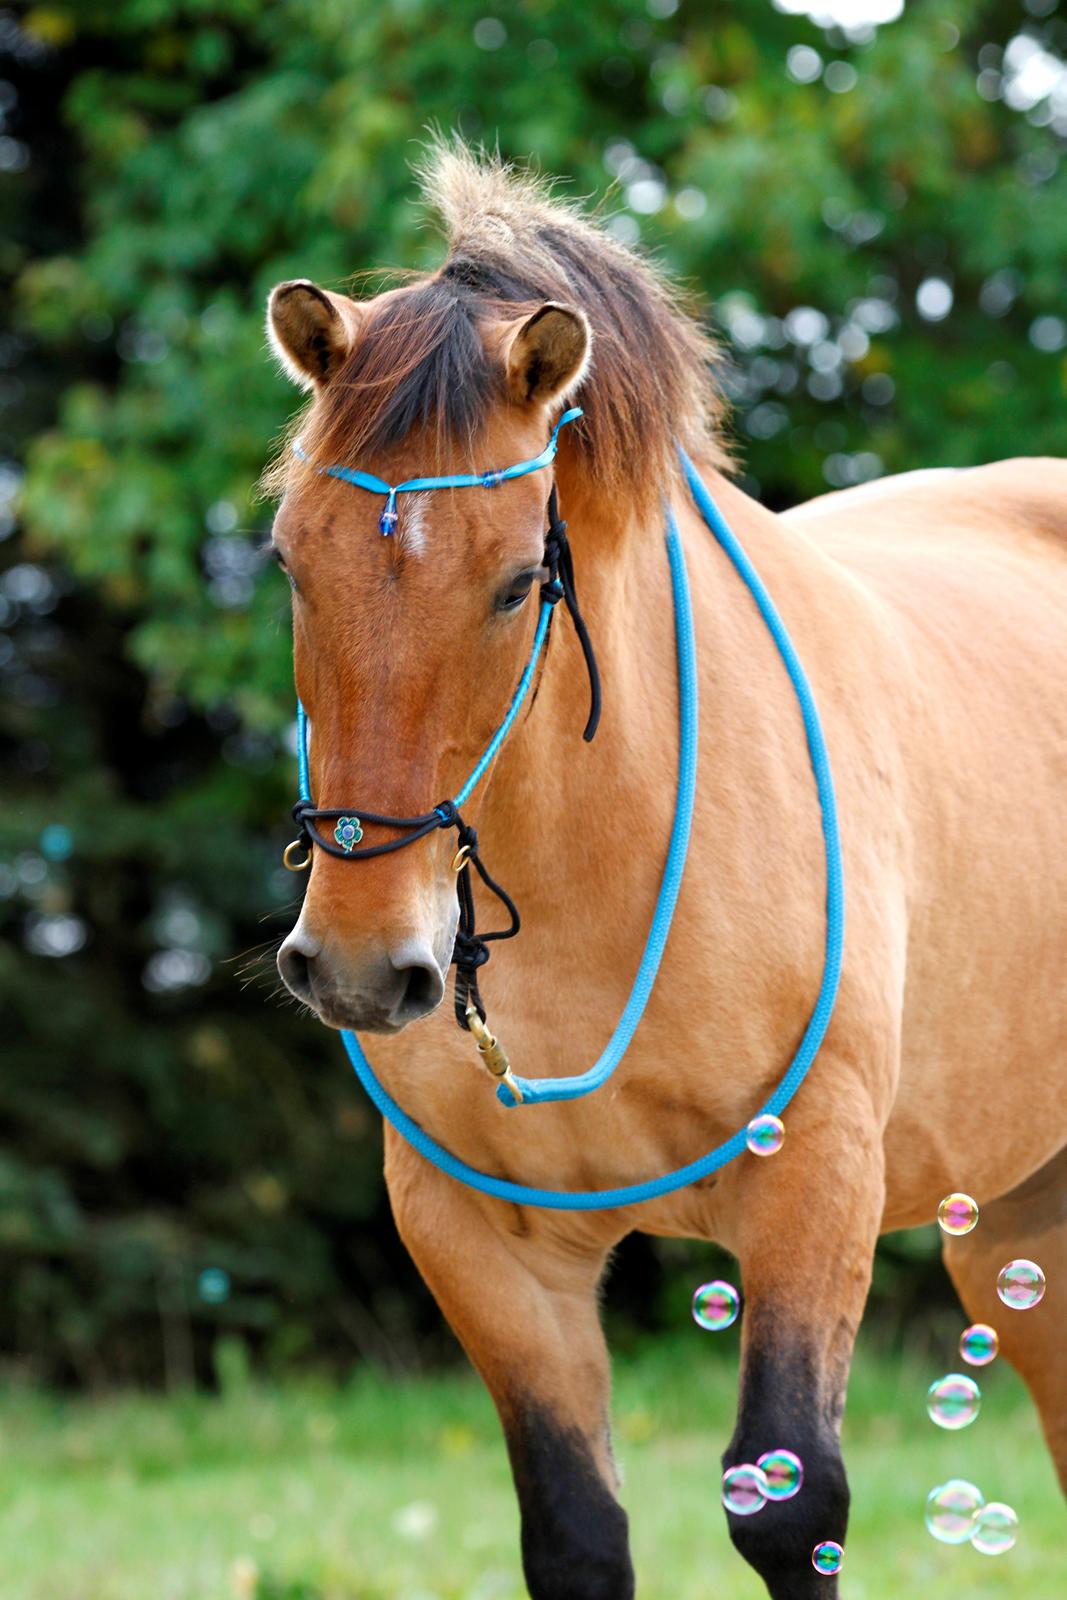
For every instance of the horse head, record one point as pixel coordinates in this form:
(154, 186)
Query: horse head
(412, 616)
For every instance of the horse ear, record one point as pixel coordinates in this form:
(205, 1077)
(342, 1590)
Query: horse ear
(548, 353)
(311, 330)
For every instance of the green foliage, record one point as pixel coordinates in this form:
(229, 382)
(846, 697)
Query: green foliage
(157, 1120)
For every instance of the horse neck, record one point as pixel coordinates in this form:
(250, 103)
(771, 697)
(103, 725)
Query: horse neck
(565, 820)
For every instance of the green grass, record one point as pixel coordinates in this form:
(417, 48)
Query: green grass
(387, 1491)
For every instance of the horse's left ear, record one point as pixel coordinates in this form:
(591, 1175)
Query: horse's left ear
(547, 354)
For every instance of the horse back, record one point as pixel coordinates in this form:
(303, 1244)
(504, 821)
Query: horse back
(966, 570)
(1004, 502)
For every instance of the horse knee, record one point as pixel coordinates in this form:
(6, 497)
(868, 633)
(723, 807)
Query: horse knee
(575, 1538)
(778, 1541)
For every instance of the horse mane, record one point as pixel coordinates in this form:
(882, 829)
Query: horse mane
(512, 244)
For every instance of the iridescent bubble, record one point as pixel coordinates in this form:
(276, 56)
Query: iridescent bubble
(995, 1529)
(827, 1557)
(744, 1490)
(784, 1473)
(1021, 1284)
(214, 1285)
(953, 1402)
(979, 1344)
(957, 1214)
(716, 1305)
(951, 1508)
(765, 1135)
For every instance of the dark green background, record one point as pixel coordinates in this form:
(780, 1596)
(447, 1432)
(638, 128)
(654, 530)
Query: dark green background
(162, 164)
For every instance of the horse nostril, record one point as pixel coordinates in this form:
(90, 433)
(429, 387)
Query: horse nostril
(423, 986)
(294, 966)
(422, 990)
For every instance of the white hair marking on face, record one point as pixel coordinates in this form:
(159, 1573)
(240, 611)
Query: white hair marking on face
(411, 528)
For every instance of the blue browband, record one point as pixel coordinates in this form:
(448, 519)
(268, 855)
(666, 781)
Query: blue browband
(453, 480)
(513, 1090)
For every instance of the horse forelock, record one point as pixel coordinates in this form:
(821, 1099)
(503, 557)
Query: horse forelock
(421, 365)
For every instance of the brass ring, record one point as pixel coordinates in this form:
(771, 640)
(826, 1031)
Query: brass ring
(459, 860)
(296, 866)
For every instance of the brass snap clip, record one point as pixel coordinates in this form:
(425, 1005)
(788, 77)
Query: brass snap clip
(490, 1049)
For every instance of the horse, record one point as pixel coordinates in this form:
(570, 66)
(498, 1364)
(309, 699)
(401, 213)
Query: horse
(928, 610)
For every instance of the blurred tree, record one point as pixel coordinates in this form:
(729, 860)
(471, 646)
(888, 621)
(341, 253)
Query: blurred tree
(877, 217)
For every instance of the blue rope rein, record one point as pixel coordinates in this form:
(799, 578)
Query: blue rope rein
(653, 1188)
(539, 1090)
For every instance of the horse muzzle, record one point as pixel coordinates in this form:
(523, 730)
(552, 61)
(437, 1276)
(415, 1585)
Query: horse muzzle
(381, 992)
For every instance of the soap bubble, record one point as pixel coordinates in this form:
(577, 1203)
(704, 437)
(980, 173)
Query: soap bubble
(953, 1402)
(214, 1286)
(716, 1305)
(1021, 1284)
(765, 1135)
(951, 1508)
(957, 1214)
(744, 1490)
(979, 1344)
(784, 1473)
(996, 1528)
(827, 1557)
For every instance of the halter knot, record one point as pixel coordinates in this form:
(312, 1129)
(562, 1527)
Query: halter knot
(299, 815)
(471, 952)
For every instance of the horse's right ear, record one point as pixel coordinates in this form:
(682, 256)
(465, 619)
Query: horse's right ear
(311, 330)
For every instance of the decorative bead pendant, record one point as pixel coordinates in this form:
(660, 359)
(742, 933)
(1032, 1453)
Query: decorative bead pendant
(348, 832)
(388, 520)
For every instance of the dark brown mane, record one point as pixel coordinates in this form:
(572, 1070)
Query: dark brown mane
(420, 361)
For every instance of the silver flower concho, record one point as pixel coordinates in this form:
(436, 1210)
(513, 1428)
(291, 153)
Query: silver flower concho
(348, 832)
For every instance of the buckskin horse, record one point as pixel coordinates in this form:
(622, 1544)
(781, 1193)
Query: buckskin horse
(929, 613)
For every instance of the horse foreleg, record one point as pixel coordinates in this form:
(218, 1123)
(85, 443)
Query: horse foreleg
(804, 1226)
(1031, 1221)
(523, 1305)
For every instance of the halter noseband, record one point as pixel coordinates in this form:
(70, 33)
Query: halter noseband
(471, 948)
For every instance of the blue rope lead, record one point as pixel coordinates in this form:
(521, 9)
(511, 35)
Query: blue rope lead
(653, 1188)
(536, 1091)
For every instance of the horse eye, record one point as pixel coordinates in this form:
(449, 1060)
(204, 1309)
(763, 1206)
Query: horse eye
(280, 559)
(516, 592)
